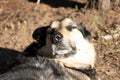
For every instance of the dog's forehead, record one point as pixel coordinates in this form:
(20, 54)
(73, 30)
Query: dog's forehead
(55, 24)
(68, 22)
(63, 23)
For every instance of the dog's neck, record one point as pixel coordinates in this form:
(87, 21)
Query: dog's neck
(83, 58)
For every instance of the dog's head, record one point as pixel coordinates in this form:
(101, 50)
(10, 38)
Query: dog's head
(64, 39)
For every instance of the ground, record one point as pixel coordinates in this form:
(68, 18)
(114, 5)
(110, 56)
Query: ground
(19, 18)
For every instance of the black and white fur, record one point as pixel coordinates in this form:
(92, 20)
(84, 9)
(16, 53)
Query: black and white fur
(66, 42)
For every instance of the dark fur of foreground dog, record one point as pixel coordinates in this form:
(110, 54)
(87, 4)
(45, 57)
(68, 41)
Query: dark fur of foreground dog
(40, 68)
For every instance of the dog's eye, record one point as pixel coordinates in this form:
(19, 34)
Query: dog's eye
(71, 27)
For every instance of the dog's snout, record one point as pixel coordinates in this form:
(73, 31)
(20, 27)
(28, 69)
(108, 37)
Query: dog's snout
(57, 37)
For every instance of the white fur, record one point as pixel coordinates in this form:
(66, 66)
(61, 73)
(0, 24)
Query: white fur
(55, 24)
(85, 54)
(68, 21)
(85, 50)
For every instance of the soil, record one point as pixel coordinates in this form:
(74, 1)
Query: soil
(19, 18)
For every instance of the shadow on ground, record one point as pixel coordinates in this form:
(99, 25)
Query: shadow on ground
(61, 3)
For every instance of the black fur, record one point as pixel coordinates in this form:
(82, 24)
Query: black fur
(40, 36)
(40, 68)
(32, 49)
(9, 58)
(84, 31)
(91, 72)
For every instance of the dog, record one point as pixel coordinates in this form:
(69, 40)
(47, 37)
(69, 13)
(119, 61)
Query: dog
(67, 43)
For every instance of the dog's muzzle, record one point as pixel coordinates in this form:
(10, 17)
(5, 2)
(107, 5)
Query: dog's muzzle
(59, 47)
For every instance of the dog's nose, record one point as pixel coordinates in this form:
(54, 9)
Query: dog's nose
(57, 37)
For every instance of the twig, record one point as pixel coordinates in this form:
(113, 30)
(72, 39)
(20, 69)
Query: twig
(38, 1)
(7, 19)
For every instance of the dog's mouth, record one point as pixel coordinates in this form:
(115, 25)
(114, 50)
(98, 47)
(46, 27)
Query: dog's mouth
(62, 52)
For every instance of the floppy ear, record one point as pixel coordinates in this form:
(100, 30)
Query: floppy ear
(84, 31)
(40, 35)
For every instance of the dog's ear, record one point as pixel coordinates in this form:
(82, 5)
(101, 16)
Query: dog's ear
(40, 35)
(84, 31)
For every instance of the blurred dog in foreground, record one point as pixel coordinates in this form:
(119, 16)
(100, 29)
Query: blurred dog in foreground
(70, 54)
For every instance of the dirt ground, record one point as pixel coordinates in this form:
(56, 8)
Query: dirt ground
(19, 18)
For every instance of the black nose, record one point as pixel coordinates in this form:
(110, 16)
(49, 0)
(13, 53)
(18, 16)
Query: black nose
(57, 37)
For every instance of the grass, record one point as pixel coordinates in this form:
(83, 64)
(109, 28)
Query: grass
(76, 7)
(96, 21)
